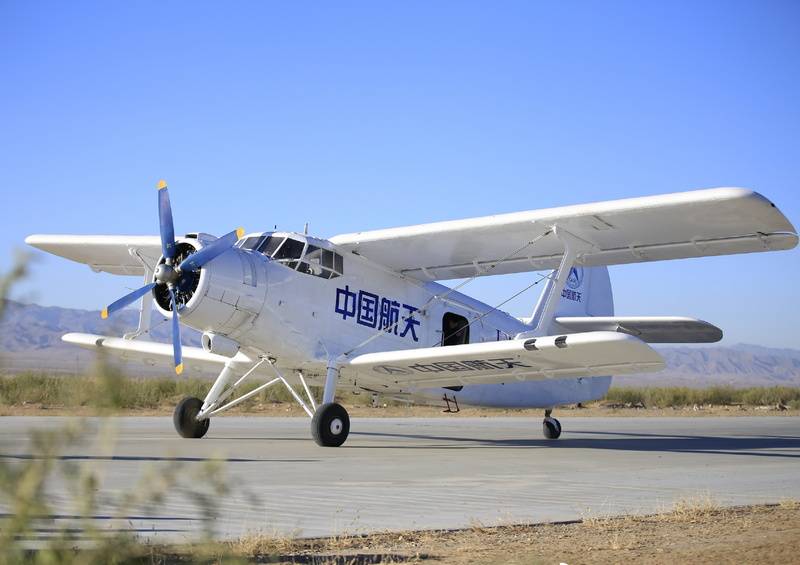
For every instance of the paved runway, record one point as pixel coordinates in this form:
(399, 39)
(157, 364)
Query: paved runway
(426, 473)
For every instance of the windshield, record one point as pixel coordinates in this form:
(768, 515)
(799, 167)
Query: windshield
(270, 244)
(289, 252)
(295, 254)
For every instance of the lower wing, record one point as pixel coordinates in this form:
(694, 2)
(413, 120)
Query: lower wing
(587, 354)
(152, 353)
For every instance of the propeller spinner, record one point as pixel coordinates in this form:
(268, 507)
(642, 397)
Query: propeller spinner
(171, 276)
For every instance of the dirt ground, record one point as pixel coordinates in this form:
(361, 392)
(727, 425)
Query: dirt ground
(417, 411)
(691, 532)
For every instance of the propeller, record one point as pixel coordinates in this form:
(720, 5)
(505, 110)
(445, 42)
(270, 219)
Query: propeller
(172, 276)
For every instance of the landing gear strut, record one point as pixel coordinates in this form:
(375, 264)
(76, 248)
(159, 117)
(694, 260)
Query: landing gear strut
(551, 427)
(185, 418)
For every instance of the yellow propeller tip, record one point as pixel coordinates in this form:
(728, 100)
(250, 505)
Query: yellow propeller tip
(162, 184)
(179, 369)
(239, 232)
(104, 313)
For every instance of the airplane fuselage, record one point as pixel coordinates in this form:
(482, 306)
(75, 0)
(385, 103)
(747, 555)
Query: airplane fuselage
(284, 310)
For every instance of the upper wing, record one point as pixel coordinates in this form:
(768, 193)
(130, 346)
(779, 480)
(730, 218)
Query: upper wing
(115, 254)
(568, 356)
(652, 329)
(716, 221)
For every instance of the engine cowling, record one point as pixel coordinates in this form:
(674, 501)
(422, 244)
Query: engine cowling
(224, 297)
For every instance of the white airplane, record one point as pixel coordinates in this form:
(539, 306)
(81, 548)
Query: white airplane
(363, 312)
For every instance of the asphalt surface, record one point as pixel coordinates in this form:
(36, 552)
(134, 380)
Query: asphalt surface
(409, 473)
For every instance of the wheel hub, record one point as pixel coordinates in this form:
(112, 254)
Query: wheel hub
(336, 426)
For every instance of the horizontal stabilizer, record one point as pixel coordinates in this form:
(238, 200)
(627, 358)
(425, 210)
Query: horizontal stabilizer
(551, 357)
(652, 329)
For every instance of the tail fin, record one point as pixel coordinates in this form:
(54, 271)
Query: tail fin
(587, 293)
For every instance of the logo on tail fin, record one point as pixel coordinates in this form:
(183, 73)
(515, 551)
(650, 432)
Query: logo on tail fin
(575, 278)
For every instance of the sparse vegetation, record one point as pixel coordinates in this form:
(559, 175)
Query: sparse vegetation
(667, 397)
(27, 534)
(717, 534)
(114, 391)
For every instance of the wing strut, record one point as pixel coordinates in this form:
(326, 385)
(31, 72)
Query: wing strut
(146, 305)
(214, 402)
(543, 318)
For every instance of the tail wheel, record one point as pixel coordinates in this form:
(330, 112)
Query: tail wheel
(330, 425)
(551, 428)
(185, 418)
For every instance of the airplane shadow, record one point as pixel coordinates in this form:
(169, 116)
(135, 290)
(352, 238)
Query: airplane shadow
(104, 517)
(25, 456)
(755, 446)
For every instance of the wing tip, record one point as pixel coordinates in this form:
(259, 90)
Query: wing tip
(35, 240)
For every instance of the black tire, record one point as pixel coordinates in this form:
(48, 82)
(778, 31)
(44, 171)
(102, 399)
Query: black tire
(185, 418)
(551, 428)
(330, 425)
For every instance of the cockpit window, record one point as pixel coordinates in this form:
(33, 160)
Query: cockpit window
(289, 252)
(251, 242)
(270, 244)
(295, 254)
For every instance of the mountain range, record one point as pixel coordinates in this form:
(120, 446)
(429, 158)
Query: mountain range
(30, 340)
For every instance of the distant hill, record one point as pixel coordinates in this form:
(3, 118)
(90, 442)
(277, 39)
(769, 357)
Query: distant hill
(738, 365)
(30, 339)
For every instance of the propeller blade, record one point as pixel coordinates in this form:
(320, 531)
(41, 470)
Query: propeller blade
(217, 247)
(127, 299)
(165, 221)
(176, 334)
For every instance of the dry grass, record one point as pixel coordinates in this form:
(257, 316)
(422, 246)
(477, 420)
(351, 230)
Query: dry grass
(694, 529)
(30, 393)
(693, 508)
(667, 397)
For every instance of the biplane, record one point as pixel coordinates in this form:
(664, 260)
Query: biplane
(367, 312)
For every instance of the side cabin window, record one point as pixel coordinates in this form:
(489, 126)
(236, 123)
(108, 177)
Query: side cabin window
(321, 263)
(455, 329)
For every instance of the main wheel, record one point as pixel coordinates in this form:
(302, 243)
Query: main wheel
(185, 418)
(330, 425)
(551, 428)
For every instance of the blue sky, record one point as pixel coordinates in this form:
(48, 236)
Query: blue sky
(365, 115)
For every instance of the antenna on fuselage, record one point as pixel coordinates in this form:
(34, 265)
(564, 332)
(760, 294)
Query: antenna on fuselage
(305, 229)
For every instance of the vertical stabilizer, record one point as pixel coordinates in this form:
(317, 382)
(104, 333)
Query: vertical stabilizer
(587, 292)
